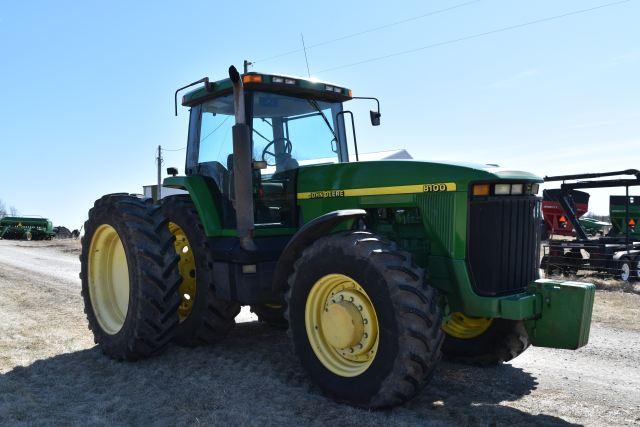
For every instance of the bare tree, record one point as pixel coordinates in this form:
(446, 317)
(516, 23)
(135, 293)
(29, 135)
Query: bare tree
(13, 210)
(3, 209)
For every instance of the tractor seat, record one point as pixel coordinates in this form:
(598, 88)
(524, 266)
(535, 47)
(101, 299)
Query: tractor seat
(214, 170)
(217, 178)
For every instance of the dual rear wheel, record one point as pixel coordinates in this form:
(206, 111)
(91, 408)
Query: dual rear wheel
(146, 277)
(129, 279)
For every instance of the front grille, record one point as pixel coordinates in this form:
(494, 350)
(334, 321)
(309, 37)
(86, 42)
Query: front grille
(503, 243)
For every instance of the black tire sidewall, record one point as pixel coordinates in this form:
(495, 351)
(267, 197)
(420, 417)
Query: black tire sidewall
(177, 209)
(340, 261)
(111, 344)
(503, 341)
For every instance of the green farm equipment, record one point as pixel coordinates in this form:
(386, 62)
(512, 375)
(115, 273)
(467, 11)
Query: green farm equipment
(25, 228)
(376, 267)
(624, 212)
(615, 254)
(593, 226)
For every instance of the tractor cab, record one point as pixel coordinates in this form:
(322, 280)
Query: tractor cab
(292, 122)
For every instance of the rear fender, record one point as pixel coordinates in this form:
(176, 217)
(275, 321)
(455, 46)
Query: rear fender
(203, 198)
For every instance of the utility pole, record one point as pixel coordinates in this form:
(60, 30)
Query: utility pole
(246, 66)
(159, 159)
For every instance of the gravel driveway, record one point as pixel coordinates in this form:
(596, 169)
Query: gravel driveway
(50, 371)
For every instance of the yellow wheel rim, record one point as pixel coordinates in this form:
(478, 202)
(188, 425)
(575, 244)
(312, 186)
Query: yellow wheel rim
(341, 324)
(187, 269)
(108, 277)
(459, 325)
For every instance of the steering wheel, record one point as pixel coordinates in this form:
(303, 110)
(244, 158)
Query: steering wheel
(288, 147)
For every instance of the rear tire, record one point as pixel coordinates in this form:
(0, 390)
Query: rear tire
(400, 310)
(502, 341)
(204, 318)
(128, 278)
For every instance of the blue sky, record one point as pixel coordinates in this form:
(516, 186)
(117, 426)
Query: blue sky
(88, 86)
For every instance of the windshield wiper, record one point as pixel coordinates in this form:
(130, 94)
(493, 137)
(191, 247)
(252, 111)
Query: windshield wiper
(315, 105)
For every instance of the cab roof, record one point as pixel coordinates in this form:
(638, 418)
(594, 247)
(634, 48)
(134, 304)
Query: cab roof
(286, 85)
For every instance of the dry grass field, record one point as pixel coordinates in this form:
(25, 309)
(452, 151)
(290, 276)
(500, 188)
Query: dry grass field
(51, 373)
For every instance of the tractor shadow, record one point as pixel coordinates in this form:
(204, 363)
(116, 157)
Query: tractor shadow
(252, 378)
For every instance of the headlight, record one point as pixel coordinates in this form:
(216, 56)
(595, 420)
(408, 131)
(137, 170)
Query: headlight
(502, 189)
(516, 188)
(505, 189)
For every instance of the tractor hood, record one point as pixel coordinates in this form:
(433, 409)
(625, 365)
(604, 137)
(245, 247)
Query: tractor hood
(410, 174)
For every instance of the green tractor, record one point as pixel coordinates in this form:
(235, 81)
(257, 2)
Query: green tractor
(378, 268)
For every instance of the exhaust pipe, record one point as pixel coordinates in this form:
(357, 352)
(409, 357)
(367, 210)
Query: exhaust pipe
(242, 166)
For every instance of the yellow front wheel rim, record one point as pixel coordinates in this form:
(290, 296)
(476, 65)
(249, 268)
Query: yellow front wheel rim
(108, 279)
(342, 325)
(459, 325)
(187, 269)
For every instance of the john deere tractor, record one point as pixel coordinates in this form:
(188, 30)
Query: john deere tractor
(378, 268)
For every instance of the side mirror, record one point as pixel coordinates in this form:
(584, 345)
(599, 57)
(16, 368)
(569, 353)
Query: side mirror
(375, 118)
(172, 171)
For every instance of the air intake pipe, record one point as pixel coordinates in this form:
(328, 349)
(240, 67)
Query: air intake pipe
(242, 166)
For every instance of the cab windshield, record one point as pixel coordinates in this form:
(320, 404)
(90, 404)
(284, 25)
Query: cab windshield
(287, 132)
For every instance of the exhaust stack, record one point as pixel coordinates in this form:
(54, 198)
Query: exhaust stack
(242, 166)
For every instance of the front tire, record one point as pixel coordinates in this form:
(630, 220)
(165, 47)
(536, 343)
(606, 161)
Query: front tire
(363, 320)
(128, 278)
(204, 318)
(483, 342)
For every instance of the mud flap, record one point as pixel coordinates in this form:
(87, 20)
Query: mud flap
(563, 317)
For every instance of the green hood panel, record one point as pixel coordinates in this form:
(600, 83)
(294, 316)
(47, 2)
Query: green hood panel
(385, 173)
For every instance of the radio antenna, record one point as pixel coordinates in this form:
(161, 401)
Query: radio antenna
(304, 48)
